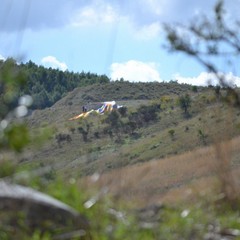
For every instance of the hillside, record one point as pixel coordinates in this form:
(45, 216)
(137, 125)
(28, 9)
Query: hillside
(92, 97)
(154, 127)
(171, 180)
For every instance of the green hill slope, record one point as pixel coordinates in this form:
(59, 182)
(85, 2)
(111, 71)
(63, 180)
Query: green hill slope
(153, 127)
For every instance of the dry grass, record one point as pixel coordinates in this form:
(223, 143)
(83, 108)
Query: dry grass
(176, 178)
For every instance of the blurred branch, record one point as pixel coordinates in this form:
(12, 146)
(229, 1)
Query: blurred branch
(206, 40)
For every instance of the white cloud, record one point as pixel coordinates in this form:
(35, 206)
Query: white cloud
(204, 79)
(92, 15)
(38, 14)
(2, 57)
(52, 62)
(156, 6)
(135, 71)
(149, 31)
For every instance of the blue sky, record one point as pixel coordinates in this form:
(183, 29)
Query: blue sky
(119, 38)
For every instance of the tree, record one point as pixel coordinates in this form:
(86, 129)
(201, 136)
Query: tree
(209, 41)
(41, 100)
(184, 103)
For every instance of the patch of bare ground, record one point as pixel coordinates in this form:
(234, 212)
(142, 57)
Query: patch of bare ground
(183, 177)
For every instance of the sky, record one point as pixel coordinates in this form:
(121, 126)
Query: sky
(119, 38)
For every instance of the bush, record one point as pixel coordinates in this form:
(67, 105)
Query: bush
(185, 103)
(145, 114)
(171, 133)
(123, 111)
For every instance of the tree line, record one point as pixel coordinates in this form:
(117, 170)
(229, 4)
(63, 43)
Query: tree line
(48, 85)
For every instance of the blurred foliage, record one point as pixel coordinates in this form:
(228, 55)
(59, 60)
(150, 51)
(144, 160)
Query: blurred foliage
(210, 41)
(214, 42)
(7, 168)
(15, 137)
(13, 133)
(113, 219)
(11, 79)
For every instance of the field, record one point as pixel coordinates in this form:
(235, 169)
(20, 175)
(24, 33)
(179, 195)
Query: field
(181, 178)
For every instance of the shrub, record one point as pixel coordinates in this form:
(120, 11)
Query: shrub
(194, 89)
(185, 103)
(202, 136)
(145, 114)
(123, 111)
(171, 133)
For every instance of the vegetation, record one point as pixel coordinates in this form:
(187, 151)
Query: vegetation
(212, 40)
(136, 173)
(185, 103)
(13, 133)
(209, 41)
(138, 134)
(47, 86)
(171, 133)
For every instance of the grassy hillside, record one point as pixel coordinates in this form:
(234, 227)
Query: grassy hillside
(106, 146)
(92, 96)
